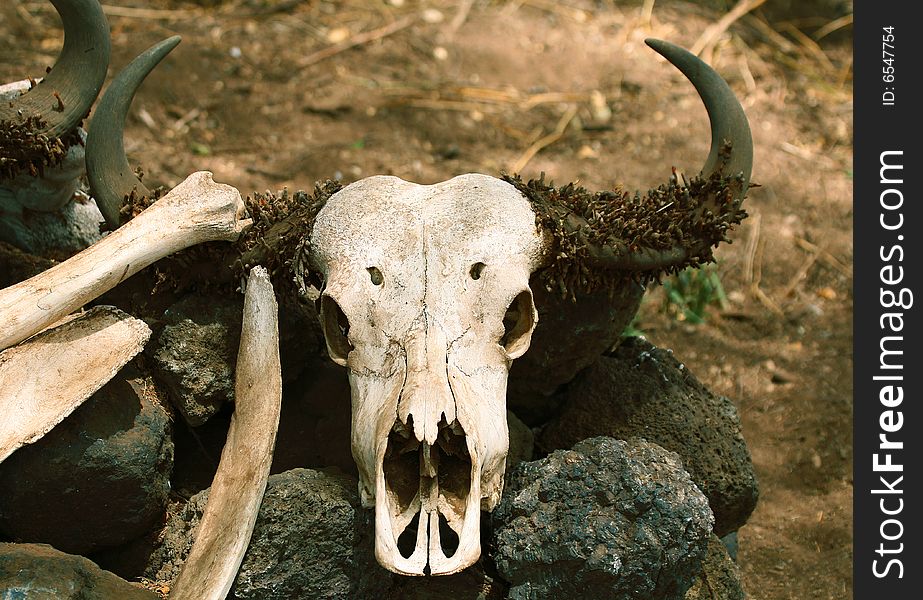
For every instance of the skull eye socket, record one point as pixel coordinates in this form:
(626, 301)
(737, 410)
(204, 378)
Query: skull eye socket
(476, 269)
(518, 323)
(336, 330)
(376, 276)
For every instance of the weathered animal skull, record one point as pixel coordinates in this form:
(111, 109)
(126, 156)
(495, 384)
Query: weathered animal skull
(426, 302)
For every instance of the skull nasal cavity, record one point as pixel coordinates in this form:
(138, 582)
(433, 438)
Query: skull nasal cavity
(517, 325)
(336, 329)
(476, 269)
(375, 275)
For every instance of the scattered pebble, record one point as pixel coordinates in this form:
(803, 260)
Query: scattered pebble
(340, 34)
(440, 53)
(600, 108)
(587, 152)
(431, 15)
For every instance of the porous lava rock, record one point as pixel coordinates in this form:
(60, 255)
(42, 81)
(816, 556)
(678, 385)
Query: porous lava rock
(311, 540)
(640, 390)
(39, 572)
(99, 478)
(607, 519)
(720, 577)
(473, 583)
(195, 353)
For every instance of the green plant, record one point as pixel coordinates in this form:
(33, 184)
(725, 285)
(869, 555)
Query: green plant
(688, 294)
(633, 329)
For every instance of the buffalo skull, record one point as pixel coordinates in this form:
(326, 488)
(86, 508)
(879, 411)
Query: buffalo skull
(426, 302)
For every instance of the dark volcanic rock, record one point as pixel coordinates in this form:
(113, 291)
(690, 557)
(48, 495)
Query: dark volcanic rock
(719, 578)
(98, 479)
(522, 441)
(569, 337)
(16, 265)
(195, 354)
(314, 427)
(643, 391)
(608, 519)
(39, 572)
(311, 540)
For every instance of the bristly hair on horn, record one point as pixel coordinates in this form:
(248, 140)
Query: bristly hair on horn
(37, 128)
(599, 239)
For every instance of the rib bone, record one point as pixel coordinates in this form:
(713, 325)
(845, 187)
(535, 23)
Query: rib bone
(197, 210)
(236, 493)
(75, 360)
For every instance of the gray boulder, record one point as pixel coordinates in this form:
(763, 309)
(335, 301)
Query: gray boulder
(642, 391)
(311, 540)
(719, 578)
(196, 351)
(98, 479)
(39, 572)
(608, 519)
(195, 354)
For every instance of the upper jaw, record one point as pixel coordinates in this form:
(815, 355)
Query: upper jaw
(428, 502)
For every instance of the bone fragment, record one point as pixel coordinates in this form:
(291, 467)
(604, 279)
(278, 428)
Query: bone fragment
(46, 378)
(237, 490)
(197, 210)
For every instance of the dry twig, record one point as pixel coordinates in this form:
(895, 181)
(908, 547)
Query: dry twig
(154, 14)
(753, 272)
(832, 26)
(827, 257)
(647, 12)
(545, 141)
(710, 36)
(460, 17)
(573, 13)
(802, 272)
(810, 46)
(357, 40)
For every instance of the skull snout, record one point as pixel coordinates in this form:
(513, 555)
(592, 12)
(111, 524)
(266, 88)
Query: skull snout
(426, 399)
(432, 508)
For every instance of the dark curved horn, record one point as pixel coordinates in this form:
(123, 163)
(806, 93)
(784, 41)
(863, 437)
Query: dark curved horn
(730, 130)
(673, 226)
(729, 124)
(63, 98)
(111, 178)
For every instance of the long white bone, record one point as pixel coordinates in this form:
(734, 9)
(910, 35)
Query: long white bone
(237, 490)
(197, 210)
(76, 358)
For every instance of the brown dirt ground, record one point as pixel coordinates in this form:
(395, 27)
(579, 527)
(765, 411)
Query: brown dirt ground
(461, 86)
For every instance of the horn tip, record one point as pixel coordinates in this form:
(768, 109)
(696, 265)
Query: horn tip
(664, 48)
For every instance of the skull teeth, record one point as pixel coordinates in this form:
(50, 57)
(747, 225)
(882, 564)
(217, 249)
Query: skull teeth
(431, 503)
